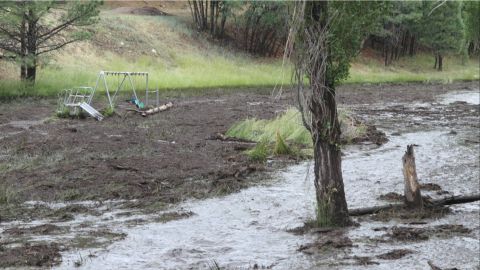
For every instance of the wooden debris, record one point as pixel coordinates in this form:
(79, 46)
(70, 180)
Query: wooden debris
(158, 109)
(413, 197)
(436, 202)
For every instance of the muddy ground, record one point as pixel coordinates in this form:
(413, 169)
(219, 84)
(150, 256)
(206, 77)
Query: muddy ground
(169, 156)
(155, 161)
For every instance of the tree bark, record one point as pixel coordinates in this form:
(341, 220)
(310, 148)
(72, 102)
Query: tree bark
(413, 197)
(331, 203)
(23, 48)
(440, 62)
(31, 47)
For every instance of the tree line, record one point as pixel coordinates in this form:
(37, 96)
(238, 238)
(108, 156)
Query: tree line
(404, 27)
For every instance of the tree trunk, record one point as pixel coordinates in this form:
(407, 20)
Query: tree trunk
(412, 46)
(436, 61)
(331, 203)
(413, 197)
(32, 47)
(23, 49)
(212, 17)
(31, 73)
(440, 62)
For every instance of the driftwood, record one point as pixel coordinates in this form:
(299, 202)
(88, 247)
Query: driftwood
(413, 196)
(436, 202)
(158, 109)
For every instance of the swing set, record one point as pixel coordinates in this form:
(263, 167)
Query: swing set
(124, 81)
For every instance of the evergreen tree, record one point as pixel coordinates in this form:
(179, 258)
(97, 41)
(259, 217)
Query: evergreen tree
(29, 29)
(441, 28)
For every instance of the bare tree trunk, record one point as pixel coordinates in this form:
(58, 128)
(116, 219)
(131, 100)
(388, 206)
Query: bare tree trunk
(31, 71)
(440, 62)
(436, 61)
(23, 49)
(212, 17)
(413, 197)
(331, 203)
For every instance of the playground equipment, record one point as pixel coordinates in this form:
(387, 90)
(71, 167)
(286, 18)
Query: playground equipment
(81, 97)
(122, 76)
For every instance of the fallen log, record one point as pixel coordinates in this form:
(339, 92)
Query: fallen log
(158, 109)
(459, 199)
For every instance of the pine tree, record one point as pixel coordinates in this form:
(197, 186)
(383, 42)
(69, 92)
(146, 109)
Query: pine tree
(29, 29)
(441, 28)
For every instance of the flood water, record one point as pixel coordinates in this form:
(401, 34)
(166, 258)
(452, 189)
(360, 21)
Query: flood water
(250, 227)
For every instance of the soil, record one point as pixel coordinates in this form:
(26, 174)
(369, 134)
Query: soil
(40, 229)
(332, 239)
(166, 157)
(401, 233)
(41, 255)
(394, 254)
(145, 10)
(154, 161)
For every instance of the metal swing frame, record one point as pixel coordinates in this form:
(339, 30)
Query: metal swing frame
(125, 76)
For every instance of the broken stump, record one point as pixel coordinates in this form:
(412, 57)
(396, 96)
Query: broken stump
(413, 197)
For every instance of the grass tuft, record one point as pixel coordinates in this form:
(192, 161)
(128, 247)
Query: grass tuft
(260, 152)
(281, 148)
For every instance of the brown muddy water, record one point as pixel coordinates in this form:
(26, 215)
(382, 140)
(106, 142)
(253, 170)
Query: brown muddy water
(249, 229)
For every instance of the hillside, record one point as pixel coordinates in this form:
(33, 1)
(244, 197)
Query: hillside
(159, 39)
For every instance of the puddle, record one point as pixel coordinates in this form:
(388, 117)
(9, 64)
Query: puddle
(471, 97)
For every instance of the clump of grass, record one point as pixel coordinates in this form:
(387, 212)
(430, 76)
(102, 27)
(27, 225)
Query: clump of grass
(288, 125)
(281, 148)
(260, 152)
(7, 194)
(108, 111)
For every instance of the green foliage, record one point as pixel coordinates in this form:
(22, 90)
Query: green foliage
(287, 125)
(441, 26)
(351, 22)
(472, 23)
(7, 194)
(281, 148)
(260, 152)
(29, 29)
(108, 111)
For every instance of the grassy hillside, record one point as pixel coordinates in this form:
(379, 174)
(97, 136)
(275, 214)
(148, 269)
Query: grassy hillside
(178, 58)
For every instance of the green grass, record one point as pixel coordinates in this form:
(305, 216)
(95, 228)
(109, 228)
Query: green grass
(288, 125)
(260, 152)
(288, 128)
(413, 69)
(178, 58)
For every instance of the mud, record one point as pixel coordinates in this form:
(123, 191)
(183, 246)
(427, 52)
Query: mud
(146, 164)
(400, 233)
(395, 254)
(30, 255)
(40, 229)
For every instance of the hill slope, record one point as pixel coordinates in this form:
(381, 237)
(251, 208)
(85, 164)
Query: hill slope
(177, 57)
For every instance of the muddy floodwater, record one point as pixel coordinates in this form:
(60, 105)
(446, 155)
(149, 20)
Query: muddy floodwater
(251, 229)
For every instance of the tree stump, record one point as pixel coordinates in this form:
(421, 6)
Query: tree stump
(413, 197)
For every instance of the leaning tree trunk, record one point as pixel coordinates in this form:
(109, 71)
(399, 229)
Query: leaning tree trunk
(332, 206)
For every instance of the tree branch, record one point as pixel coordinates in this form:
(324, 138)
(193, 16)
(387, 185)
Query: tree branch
(56, 46)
